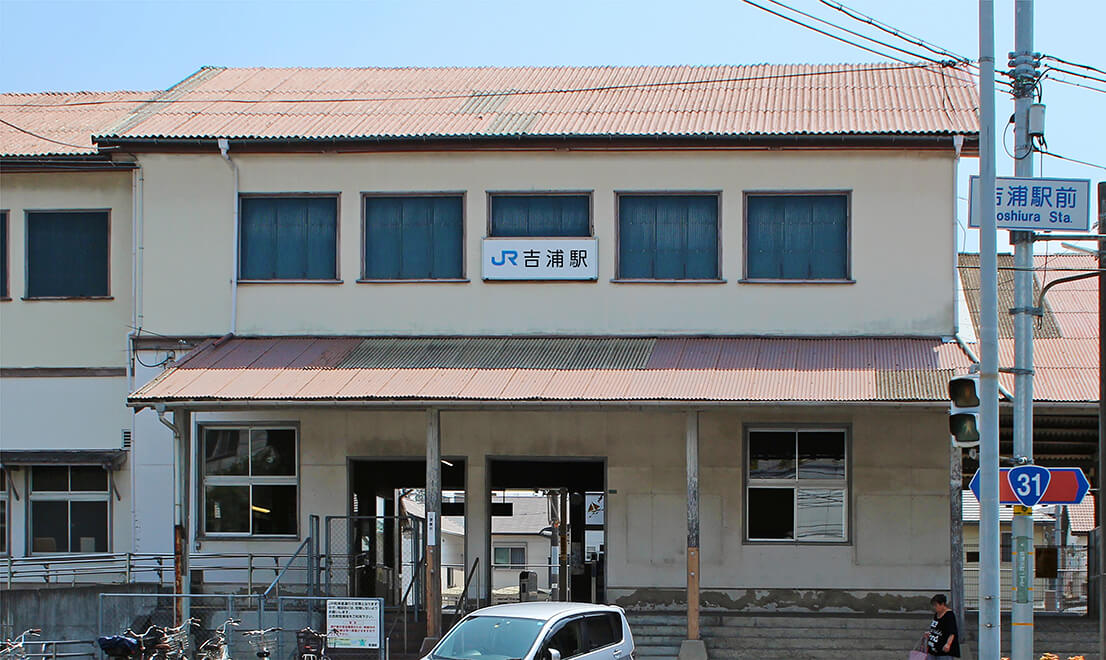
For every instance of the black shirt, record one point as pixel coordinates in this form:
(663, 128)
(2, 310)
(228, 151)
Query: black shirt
(940, 629)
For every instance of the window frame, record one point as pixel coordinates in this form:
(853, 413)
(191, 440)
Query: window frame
(719, 221)
(491, 194)
(27, 213)
(846, 192)
(336, 195)
(510, 549)
(68, 496)
(247, 480)
(793, 484)
(5, 256)
(366, 195)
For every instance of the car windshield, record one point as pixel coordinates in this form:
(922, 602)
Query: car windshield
(489, 638)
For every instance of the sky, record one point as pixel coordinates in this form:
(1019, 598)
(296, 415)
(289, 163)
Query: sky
(48, 45)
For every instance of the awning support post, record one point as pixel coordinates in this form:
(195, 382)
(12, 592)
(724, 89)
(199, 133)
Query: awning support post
(693, 647)
(433, 531)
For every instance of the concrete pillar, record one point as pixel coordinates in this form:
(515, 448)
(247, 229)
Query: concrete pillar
(476, 526)
(692, 648)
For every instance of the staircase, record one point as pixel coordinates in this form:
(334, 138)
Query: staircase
(731, 636)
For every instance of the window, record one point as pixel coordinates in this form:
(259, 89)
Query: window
(67, 254)
(4, 254)
(797, 237)
(543, 216)
(288, 238)
(414, 238)
(668, 237)
(796, 488)
(249, 481)
(69, 509)
(602, 630)
(510, 557)
(3, 512)
(568, 639)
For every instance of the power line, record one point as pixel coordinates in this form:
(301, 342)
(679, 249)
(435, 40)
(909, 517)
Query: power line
(1073, 160)
(1075, 73)
(1070, 63)
(903, 65)
(890, 29)
(1072, 83)
(43, 137)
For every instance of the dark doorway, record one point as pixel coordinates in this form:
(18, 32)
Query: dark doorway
(574, 492)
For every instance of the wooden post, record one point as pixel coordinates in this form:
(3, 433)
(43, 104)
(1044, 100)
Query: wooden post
(182, 419)
(692, 442)
(433, 526)
(956, 532)
(562, 570)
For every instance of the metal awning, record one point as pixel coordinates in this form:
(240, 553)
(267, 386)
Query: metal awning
(514, 370)
(109, 459)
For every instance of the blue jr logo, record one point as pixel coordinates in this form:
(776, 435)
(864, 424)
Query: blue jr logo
(505, 256)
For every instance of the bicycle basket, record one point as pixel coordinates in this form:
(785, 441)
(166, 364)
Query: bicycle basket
(308, 641)
(118, 646)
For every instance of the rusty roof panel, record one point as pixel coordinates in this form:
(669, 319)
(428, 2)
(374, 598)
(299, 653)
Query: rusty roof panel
(62, 122)
(375, 103)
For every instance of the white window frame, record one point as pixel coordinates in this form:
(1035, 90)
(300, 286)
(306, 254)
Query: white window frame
(247, 480)
(510, 549)
(68, 496)
(795, 484)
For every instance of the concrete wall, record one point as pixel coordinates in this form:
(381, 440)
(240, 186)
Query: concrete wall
(898, 549)
(66, 333)
(76, 612)
(898, 198)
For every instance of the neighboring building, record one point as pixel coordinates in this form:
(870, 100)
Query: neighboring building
(572, 277)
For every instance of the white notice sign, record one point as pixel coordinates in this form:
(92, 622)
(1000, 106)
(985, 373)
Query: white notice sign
(540, 259)
(354, 623)
(1036, 204)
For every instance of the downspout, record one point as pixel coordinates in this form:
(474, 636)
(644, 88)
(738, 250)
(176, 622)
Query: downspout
(136, 326)
(181, 548)
(224, 151)
(177, 507)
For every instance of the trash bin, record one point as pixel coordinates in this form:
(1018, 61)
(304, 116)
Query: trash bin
(527, 586)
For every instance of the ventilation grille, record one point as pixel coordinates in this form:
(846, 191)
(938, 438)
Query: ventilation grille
(126, 434)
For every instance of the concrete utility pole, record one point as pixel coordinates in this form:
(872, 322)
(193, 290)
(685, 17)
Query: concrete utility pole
(990, 629)
(1101, 503)
(433, 529)
(1025, 79)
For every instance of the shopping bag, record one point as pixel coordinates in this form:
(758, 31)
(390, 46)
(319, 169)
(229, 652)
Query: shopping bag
(919, 651)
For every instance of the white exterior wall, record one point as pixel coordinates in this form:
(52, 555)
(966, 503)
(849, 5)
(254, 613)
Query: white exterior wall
(898, 199)
(898, 502)
(537, 559)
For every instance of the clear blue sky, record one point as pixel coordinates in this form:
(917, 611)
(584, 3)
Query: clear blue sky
(100, 45)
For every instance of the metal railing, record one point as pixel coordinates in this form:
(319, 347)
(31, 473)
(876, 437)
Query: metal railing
(1067, 592)
(53, 649)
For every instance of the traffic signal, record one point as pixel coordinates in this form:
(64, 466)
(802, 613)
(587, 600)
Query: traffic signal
(964, 410)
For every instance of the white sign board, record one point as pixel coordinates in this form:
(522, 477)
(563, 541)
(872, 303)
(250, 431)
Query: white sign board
(354, 623)
(540, 259)
(432, 528)
(1036, 204)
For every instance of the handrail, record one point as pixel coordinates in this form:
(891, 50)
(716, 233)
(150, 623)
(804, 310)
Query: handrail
(288, 565)
(403, 605)
(462, 600)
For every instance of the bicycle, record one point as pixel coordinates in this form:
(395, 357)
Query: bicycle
(262, 641)
(216, 648)
(156, 642)
(13, 649)
(311, 645)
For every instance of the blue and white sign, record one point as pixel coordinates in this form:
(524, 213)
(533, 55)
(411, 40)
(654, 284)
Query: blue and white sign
(1029, 483)
(540, 259)
(1036, 204)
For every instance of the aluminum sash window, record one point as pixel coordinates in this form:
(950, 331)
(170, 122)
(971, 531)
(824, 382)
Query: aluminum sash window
(250, 481)
(70, 509)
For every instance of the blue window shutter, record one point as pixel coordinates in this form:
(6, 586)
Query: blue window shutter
(546, 216)
(797, 237)
(668, 237)
(413, 238)
(288, 238)
(67, 254)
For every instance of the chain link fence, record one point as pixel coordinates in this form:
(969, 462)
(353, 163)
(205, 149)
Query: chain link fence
(1067, 592)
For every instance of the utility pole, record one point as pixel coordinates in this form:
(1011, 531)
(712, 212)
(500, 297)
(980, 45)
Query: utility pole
(1101, 503)
(990, 628)
(1024, 72)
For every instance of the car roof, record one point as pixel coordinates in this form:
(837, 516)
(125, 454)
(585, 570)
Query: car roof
(543, 611)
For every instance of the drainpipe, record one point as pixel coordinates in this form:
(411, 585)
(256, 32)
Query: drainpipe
(181, 428)
(224, 151)
(136, 321)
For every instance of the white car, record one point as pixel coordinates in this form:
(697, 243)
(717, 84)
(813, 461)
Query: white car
(539, 631)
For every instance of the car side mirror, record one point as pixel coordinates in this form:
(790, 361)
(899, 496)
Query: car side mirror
(554, 654)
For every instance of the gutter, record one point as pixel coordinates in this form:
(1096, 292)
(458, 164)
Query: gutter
(224, 151)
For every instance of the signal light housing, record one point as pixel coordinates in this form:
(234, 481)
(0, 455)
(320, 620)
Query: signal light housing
(964, 410)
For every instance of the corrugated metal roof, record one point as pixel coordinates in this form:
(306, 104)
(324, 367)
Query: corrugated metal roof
(61, 123)
(969, 511)
(1065, 345)
(395, 103)
(561, 369)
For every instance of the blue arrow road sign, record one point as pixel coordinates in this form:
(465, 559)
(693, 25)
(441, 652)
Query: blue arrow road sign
(1029, 483)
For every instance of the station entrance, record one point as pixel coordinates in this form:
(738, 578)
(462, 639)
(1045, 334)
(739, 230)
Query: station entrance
(573, 565)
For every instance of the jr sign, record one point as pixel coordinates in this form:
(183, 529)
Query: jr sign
(540, 259)
(1036, 204)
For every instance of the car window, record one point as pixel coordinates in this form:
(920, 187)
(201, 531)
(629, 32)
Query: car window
(567, 640)
(489, 638)
(603, 630)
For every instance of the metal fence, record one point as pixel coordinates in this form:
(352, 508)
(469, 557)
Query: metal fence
(1067, 592)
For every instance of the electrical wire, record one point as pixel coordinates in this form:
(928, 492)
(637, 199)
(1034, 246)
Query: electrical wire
(890, 29)
(1072, 160)
(1074, 73)
(43, 137)
(501, 93)
(1070, 63)
(1072, 83)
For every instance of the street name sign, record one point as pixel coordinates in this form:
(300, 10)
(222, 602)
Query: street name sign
(1063, 486)
(1036, 204)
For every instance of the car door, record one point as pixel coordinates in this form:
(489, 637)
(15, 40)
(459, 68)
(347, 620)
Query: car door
(567, 637)
(603, 637)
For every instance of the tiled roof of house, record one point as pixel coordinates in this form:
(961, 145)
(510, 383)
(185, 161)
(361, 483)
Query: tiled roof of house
(655, 101)
(1065, 344)
(61, 123)
(560, 369)
(1081, 516)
